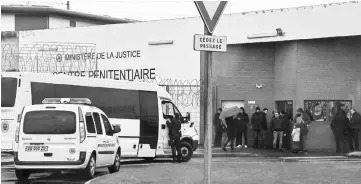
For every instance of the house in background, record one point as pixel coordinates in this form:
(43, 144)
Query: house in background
(22, 18)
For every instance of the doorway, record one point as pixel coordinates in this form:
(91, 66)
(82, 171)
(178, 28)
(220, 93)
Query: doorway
(286, 106)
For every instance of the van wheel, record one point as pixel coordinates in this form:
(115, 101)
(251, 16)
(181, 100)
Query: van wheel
(89, 171)
(186, 151)
(116, 165)
(22, 175)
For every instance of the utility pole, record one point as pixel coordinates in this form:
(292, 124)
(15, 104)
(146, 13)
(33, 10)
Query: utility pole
(68, 5)
(217, 44)
(208, 115)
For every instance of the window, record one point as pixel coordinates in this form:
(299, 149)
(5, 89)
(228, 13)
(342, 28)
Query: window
(168, 109)
(116, 103)
(149, 122)
(89, 123)
(50, 122)
(8, 91)
(325, 110)
(107, 126)
(25, 22)
(72, 23)
(98, 123)
(40, 91)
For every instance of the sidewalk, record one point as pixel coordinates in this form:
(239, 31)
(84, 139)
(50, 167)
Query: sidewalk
(7, 159)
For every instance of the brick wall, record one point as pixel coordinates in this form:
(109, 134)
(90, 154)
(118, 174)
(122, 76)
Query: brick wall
(328, 69)
(321, 69)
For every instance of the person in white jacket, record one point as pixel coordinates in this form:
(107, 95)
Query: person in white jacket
(296, 132)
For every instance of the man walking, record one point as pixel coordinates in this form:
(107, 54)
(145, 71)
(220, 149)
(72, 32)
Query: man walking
(174, 135)
(218, 128)
(355, 126)
(277, 127)
(339, 126)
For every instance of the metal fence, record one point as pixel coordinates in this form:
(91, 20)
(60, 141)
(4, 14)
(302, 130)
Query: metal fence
(46, 57)
(187, 99)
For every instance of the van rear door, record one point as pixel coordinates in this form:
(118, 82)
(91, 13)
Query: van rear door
(49, 134)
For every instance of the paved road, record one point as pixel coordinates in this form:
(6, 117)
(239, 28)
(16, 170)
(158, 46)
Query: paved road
(244, 170)
(163, 168)
(8, 174)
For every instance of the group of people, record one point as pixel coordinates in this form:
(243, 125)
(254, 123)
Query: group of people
(346, 130)
(283, 127)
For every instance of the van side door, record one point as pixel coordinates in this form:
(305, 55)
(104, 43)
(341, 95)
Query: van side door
(110, 140)
(101, 141)
(91, 141)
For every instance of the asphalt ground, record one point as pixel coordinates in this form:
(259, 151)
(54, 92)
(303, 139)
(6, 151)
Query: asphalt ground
(326, 169)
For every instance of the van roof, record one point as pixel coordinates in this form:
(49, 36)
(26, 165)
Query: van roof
(42, 106)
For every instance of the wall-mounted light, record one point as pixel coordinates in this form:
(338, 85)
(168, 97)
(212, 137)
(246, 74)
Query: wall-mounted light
(259, 86)
(161, 42)
(278, 32)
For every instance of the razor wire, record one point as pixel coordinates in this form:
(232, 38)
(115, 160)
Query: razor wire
(45, 57)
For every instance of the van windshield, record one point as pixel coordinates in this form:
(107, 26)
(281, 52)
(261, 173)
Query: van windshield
(8, 91)
(49, 122)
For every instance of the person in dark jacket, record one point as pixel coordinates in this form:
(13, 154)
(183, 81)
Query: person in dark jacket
(242, 122)
(175, 135)
(304, 128)
(257, 125)
(218, 128)
(355, 126)
(277, 127)
(264, 128)
(287, 138)
(231, 131)
(339, 126)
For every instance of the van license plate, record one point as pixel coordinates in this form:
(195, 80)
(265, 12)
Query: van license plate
(36, 148)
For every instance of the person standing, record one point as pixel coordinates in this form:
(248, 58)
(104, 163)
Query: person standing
(277, 127)
(231, 131)
(175, 135)
(264, 128)
(287, 138)
(218, 129)
(242, 122)
(296, 132)
(339, 126)
(304, 128)
(257, 120)
(355, 126)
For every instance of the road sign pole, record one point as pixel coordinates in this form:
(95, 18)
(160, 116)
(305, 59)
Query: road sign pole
(208, 115)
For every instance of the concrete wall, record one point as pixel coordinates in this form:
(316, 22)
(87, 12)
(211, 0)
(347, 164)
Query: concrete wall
(7, 22)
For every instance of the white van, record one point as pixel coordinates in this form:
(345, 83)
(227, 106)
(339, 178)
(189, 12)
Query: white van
(65, 134)
(141, 109)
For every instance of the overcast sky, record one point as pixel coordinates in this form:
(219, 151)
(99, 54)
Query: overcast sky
(154, 10)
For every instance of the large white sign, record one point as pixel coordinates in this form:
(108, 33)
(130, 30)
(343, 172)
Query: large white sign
(210, 43)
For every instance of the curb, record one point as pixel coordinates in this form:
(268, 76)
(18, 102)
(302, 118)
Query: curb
(10, 162)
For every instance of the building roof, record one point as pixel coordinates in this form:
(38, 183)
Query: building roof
(47, 10)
